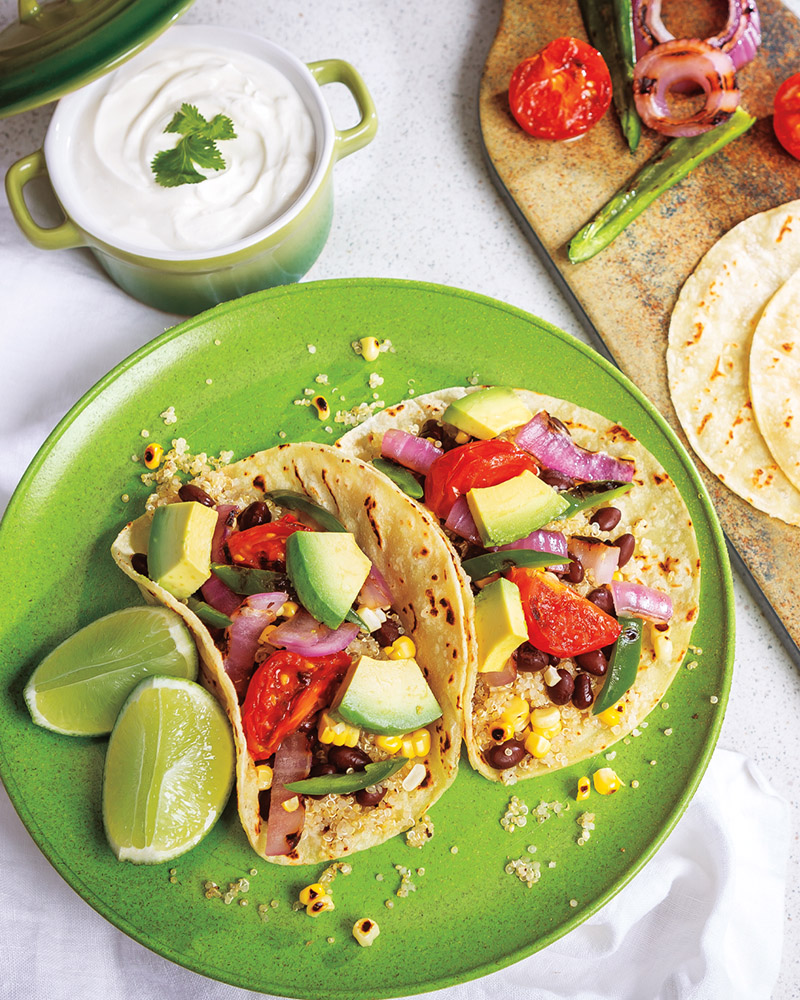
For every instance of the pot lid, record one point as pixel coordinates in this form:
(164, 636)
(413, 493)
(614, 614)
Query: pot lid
(59, 45)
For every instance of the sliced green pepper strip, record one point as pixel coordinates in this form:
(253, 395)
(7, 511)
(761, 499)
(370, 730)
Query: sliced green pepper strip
(207, 614)
(341, 784)
(498, 562)
(579, 502)
(609, 26)
(247, 580)
(670, 165)
(400, 477)
(355, 619)
(298, 501)
(624, 664)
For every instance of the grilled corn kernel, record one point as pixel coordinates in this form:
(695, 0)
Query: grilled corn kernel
(289, 609)
(416, 744)
(462, 437)
(152, 456)
(606, 781)
(614, 715)
(264, 637)
(365, 931)
(537, 745)
(391, 744)
(617, 576)
(370, 348)
(584, 787)
(339, 733)
(264, 777)
(516, 712)
(320, 404)
(312, 892)
(291, 805)
(402, 648)
(662, 644)
(320, 906)
(545, 718)
(502, 730)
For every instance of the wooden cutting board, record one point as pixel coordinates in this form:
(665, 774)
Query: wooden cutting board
(625, 294)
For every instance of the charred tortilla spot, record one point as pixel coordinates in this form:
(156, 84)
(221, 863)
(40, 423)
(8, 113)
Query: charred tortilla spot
(259, 484)
(659, 478)
(691, 614)
(451, 678)
(369, 505)
(621, 432)
(427, 780)
(446, 743)
(668, 563)
(423, 552)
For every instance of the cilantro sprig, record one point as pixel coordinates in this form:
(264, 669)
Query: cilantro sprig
(197, 147)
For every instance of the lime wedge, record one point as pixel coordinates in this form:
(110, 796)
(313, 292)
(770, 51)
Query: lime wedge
(168, 772)
(79, 688)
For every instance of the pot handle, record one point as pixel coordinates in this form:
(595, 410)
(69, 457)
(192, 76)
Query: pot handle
(19, 174)
(338, 71)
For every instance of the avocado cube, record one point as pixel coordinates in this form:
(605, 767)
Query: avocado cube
(327, 570)
(499, 624)
(388, 697)
(179, 548)
(488, 412)
(513, 509)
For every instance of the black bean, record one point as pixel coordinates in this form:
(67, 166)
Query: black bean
(189, 492)
(387, 633)
(594, 662)
(370, 796)
(344, 758)
(253, 515)
(556, 479)
(504, 755)
(139, 563)
(625, 544)
(606, 518)
(529, 659)
(582, 696)
(553, 660)
(444, 433)
(561, 692)
(601, 596)
(575, 571)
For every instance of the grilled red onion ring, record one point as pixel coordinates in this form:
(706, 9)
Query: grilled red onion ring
(674, 63)
(740, 37)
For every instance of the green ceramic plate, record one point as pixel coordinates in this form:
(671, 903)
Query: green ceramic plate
(233, 375)
(61, 45)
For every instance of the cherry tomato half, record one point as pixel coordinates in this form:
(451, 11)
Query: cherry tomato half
(479, 463)
(266, 543)
(787, 115)
(561, 91)
(283, 692)
(559, 620)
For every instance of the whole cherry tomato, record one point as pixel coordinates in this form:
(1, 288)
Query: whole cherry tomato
(560, 92)
(479, 463)
(284, 691)
(559, 620)
(787, 115)
(266, 543)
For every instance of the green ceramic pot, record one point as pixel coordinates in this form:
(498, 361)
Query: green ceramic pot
(185, 282)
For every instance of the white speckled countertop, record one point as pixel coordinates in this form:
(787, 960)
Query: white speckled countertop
(417, 204)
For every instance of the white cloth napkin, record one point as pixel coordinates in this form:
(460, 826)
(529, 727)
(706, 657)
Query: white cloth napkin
(702, 921)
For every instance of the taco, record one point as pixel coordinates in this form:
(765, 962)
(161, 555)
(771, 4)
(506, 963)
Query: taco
(331, 629)
(579, 565)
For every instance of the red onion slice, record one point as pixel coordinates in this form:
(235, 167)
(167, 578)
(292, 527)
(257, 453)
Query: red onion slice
(597, 558)
(740, 37)
(375, 593)
(499, 678)
(220, 596)
(241, 637)
(415, 453)
(551, 444)
(226, 514)
(641, 601)
(306, 636)
(554, 542)
(461, 522)
(292, 763)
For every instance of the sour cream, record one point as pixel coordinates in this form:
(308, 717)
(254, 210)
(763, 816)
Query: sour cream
(267, 165)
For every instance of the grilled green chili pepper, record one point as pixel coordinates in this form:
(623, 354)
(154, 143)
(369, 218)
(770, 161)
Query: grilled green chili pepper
(624, 664)
(248, 580)
(207, 614)
(297, 501)
(401, 477)
(497, 562)
(341, 784)
(670, 165)
(583, 498)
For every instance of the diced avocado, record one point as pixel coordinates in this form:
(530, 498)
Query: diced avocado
(488, 412)
(513, 509)
(499, 624)
(388, 697)
(179, 549)
(327, 570)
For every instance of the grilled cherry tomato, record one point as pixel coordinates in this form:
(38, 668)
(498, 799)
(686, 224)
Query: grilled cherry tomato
(479, 463)
(559, 620)
(283, 692)
(266, 543)
(561, 91)
(787, 115)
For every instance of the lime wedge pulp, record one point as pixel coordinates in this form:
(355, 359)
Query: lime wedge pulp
(168, 772)
(79, 688)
